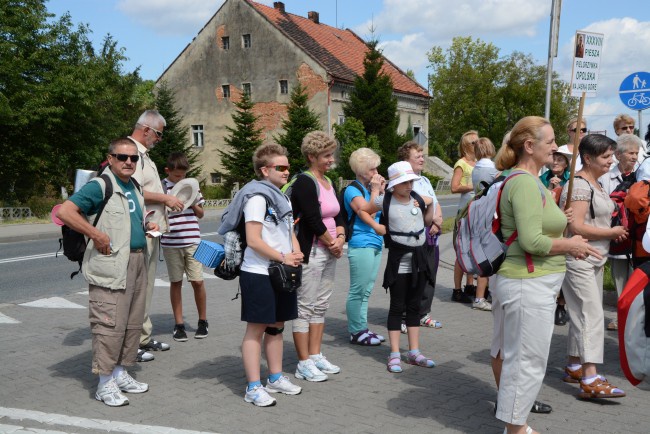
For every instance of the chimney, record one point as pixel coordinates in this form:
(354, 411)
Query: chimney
(279, 6)
(312, 15)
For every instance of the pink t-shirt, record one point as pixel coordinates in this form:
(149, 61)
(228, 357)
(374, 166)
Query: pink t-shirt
(329, 208)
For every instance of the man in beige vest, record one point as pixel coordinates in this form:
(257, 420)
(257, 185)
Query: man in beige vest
(147, 132)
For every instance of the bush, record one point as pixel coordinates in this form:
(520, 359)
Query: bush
(432, 178)
(218, 191)
(41, 206)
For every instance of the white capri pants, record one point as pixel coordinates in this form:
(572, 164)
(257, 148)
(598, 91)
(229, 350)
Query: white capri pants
(583, 292)
(524, 314)
(316, 290)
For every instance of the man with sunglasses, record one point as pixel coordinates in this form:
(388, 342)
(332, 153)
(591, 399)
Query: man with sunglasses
(114, 265)
(147, 132)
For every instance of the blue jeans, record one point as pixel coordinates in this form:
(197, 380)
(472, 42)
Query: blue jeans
(364, 265)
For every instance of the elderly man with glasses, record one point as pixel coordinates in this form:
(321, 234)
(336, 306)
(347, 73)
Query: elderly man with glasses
(114, 265)
(147, 132)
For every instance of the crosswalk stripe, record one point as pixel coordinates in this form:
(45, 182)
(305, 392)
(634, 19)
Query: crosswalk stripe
(4, 319)
(53, 303)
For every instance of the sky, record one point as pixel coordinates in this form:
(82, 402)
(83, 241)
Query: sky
(154, 32)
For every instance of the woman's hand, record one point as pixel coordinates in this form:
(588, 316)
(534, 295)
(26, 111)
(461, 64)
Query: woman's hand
(569, 215)
(294, 258)
(619, 233)
(434, 229)
(336, 247)
(579, 248)
(378, 183)
(554, 182)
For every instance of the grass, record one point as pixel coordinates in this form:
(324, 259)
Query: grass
(24, 221)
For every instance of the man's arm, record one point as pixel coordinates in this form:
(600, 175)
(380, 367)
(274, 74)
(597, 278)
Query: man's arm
(71, 215)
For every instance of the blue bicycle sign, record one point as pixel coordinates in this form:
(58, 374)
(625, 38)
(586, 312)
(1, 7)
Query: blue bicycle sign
(635, 91)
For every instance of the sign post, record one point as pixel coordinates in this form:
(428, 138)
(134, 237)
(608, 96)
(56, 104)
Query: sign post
(584, 82)
(635, 92)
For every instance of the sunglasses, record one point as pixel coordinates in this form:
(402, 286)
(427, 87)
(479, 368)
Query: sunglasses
(582, 130)
(280, 168)
(628, 127)
(159, 134)
(124, 157)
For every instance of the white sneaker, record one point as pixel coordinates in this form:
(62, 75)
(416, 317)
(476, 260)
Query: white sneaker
(283, 385)
(144, 356)
(110, 394)
(307, 370)
(259, 397)
(324, 365)
(127, 384)
(482, 304)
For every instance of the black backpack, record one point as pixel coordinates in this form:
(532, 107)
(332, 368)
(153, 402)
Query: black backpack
(74, 243)
(349, 219)
(384, 217)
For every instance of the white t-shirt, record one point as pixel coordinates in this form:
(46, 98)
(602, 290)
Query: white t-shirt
(277, 236)
(423, 187)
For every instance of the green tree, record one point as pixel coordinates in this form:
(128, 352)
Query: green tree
(351, 136)
(473, 88)
(372, 102)
(176, 135)
(300, 120)
(244, 138)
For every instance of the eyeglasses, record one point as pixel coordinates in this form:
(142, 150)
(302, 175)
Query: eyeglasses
(280, 168)
(628, 127)
(159, 134)
(582, 130)
(124, 157)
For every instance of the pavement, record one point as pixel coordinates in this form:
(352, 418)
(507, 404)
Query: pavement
(198, 386)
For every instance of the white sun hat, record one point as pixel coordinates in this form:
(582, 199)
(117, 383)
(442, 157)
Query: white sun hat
(400, 172)
(186, 190)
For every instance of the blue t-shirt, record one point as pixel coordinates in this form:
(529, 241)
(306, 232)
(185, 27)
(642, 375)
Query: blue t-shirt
(362, 234)
(89, 198)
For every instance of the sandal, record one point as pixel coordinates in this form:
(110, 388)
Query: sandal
(573, 377)
(394, 365)
(419, 360)
(380, 337)
(599, 388)
(364, 337)
(612, 325)
(426, 321)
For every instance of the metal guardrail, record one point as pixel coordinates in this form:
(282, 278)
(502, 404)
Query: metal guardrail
(443, 185)
(216, 203)
(15, 213)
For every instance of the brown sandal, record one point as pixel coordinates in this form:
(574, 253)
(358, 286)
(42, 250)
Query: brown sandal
(612, 325)
(599, 388)
(573, 377)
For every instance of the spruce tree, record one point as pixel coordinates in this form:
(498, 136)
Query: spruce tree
(244, 138)
(175, 136)
(300, 120)
(372, 102)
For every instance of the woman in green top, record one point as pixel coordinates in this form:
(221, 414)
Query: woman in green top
(526, 288)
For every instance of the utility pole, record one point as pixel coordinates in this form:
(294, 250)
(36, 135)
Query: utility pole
(553, 37)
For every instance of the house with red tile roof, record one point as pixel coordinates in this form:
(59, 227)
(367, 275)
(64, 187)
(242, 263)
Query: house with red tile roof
(266, 51)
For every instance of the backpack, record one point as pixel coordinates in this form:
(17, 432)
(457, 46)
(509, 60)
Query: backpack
(478, 241)
(637, 203)
(349, 220)
(74, 243)
(288, 187)
(384, 218)
(621, 217)
(234, 244)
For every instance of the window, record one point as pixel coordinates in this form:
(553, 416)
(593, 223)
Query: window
(416, 131)
(225, 42)
(341, 120)
(226, 91)
(197, 135)
(246, 40)
(246, 88)
(216, 178)
(284, 86)
(344, 95)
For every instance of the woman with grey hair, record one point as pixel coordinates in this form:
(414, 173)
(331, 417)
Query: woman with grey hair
(583, 282)
(627, 151)
(321, 235)
(364, 244)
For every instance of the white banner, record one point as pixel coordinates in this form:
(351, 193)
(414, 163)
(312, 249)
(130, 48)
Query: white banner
(586, 63)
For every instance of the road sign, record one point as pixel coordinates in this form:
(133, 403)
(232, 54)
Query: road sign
(587, 53)
(635, 91)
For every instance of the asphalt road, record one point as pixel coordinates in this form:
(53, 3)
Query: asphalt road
(30, 269)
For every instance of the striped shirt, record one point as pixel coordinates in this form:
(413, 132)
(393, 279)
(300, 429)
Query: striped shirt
(183, 226)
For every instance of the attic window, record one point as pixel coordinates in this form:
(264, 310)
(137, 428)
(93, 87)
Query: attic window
(225, 42)
(226, 91)
(246, 40)
(284, 86)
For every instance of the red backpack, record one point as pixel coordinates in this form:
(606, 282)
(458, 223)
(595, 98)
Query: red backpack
(621, 217)
(637, 203)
